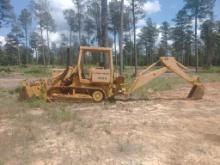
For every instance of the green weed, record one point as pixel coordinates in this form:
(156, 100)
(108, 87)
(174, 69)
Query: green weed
(1, 162)
(160, 84)
(14, 91)
(61, 115)
(213, 69)
(36, 102)
(209, 77)
(6, 69)
(36, 70)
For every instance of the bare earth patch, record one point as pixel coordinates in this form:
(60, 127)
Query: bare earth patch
(11, 81)
(167, 129)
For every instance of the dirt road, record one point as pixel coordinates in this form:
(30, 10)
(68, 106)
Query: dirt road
(167, 129)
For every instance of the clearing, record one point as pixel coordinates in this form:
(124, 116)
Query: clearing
(166, 129)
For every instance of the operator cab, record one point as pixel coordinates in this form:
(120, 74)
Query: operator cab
(95, 65)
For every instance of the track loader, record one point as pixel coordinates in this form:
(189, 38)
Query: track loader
(87, 81)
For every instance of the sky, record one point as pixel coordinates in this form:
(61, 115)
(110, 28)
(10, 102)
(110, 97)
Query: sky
(158, 10)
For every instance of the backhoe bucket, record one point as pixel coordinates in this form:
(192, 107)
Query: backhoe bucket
(33, 89)
(197, 92)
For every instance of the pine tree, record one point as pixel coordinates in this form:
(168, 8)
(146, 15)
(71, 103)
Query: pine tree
(79, 10)
(208, 37)
(94, 11)
(165, 30)
(70, 17)
(6, 12)
(182, 36)
(114, 13)
(121, 36)
(34, 43)
(63, 48)
(148, 36)
(217, 41)
(45, 22)
(25, 19)
(137, 13)
(11, 49)
(89, 29)
(49, 26)
(104, 22)
(16, 30)
(198, 9)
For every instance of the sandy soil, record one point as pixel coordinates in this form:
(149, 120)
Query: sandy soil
(167, 129)
(11, 81)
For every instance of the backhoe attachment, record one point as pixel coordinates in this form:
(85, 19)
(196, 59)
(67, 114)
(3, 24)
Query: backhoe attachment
(169, 64)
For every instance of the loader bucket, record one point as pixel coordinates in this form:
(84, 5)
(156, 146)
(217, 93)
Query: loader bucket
(197, 92)
(33, 89)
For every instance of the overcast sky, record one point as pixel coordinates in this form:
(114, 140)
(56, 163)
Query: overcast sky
(158, 10)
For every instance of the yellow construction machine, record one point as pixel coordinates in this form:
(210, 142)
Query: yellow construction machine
(97, 80)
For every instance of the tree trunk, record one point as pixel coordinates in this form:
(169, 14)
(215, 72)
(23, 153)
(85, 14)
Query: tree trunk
(79, 22)
(196, 40)
(70, 38)
(19, 55)
(48, 47)
(70, 47)
(212, 42)
(210, 52)
(99, 34)
(104, 24)
(36, 55)
(42, 45)
(104, 21)
(131, 53)
(182, 57)
(80, 31)
(26, 43)
(116, 58)
(134, 29)
(121, 37)
(98, 25)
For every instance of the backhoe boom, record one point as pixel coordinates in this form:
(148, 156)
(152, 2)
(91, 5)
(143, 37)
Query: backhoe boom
(170, 64)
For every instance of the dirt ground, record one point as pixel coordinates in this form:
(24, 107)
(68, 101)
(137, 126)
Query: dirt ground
(164, 130)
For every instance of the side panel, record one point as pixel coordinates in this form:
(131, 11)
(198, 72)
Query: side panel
(101, 76)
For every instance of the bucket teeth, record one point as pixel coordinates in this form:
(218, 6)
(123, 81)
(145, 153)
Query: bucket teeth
(197, 92)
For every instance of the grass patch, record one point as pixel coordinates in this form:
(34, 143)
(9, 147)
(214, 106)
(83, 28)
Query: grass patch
(164, 83)
(36, 102)
(36, 71)
(171, 82)
(159, 84)
(1, 162)
(17, 90)
(61, 115)
(213, 69)
(29, 70)
(124, 146)
(168, 82)
(5, 69)
(209, 77)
